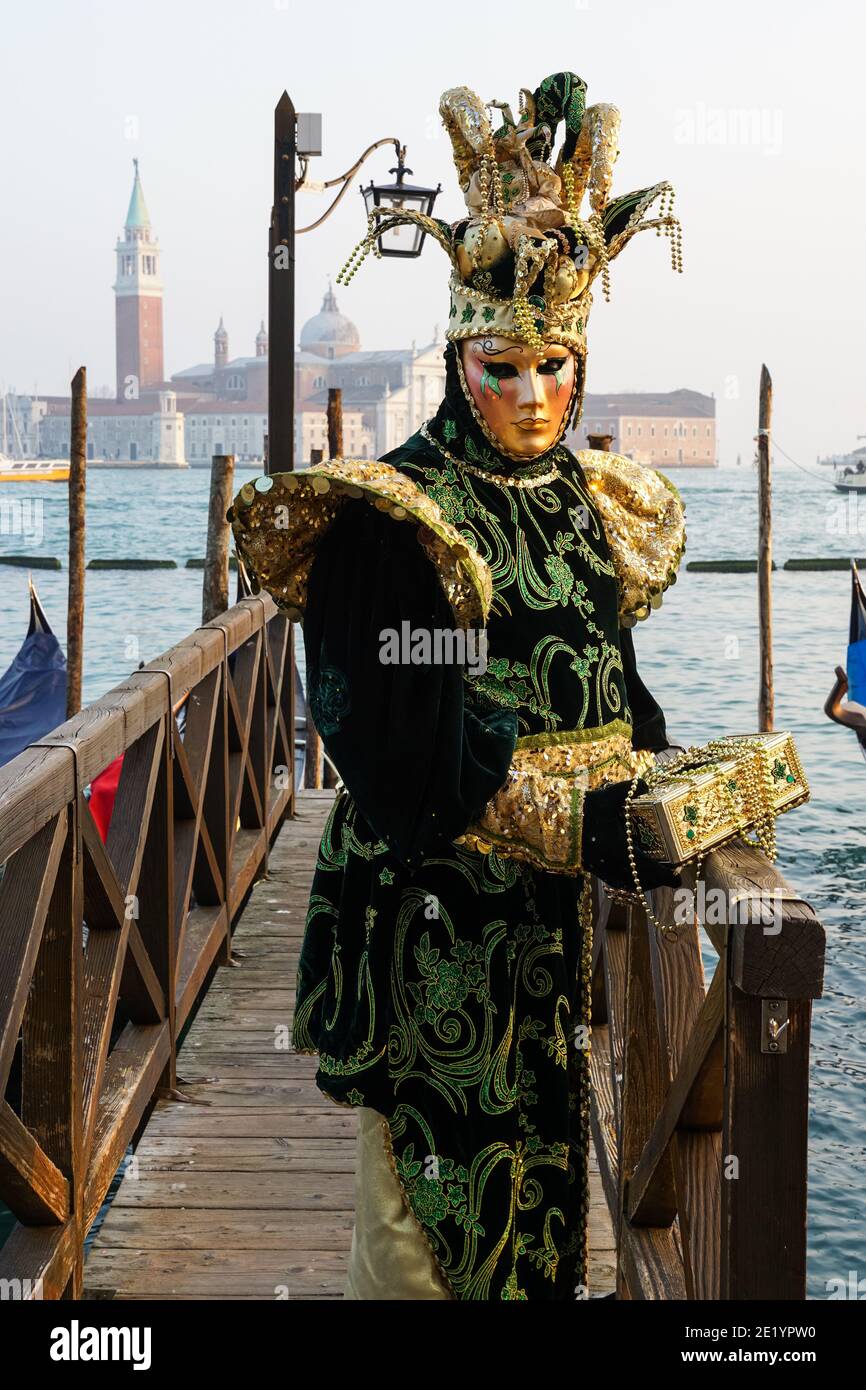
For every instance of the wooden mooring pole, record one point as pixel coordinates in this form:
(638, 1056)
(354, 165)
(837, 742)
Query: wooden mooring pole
(335, 422)
(77, 498)
(215, 585)
(335, 451)
(765, 557)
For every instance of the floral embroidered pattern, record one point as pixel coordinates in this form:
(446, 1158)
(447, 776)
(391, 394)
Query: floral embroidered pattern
(329, 699)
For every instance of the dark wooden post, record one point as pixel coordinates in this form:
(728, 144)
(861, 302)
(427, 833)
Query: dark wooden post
(280, 447)
(313, 752)
(765, 556)
(645, 1080)
(335, 451)
(599, 441)
(281, 295)
(335, 422)
(52, 1075)
(77, 489)
(215, 585)
(772, 975)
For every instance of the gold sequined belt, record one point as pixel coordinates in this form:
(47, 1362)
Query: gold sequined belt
(537, 814)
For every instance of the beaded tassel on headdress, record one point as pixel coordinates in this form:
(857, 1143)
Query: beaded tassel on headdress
(524, 257)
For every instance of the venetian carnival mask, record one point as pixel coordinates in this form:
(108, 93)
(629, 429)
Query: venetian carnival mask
(523, 394)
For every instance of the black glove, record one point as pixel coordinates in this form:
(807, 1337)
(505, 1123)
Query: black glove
(604, 846)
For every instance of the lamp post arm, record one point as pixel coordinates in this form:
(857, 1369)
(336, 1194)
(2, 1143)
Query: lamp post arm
(345, 180)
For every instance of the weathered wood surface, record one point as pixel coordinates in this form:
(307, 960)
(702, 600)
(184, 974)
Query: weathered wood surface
(249, 1193)
(766, 695)
(215, 580)
(77, 510)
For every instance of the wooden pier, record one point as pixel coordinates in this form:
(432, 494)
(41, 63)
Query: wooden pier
(146, 992)
(244, 1188)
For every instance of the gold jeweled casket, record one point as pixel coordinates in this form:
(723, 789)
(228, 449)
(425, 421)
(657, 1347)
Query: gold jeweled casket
(694, 808)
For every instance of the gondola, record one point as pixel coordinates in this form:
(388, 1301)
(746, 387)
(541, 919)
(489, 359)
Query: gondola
(857, 652)
(33, 687)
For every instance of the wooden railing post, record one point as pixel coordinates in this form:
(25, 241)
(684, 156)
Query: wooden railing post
(52, 1083)
(156, 898)
(644, 1085)
(774, 973)
(218, 797)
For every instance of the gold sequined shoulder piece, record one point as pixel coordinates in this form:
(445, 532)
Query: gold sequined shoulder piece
(279, 521)
(644, 521)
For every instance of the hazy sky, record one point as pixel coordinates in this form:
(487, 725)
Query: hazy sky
(754, 109)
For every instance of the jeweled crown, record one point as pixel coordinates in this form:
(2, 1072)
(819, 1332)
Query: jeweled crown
(524, 258)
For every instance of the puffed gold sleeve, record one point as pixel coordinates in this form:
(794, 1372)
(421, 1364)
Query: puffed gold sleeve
(279, 521)
(644, 521)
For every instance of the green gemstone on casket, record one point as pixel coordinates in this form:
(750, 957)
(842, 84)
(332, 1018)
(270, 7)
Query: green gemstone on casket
(790, 777)
(690, 834)
(691, 814)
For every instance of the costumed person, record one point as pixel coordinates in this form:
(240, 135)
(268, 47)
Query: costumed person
(853, 681)
(444, 979)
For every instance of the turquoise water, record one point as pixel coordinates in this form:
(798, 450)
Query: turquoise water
(698, 655)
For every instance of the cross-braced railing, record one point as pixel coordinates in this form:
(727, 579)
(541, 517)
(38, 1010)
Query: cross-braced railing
(104, 947)
(700, 1096)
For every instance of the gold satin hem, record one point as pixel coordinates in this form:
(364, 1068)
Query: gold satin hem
(391, 1257)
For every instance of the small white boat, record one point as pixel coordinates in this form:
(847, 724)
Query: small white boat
(33, 470)
(851, 476)
(849, 469)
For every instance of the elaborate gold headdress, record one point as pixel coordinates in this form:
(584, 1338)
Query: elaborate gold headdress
(524, 259)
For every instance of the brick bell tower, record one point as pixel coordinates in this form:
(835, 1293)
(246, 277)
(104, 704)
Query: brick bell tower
(138, 302)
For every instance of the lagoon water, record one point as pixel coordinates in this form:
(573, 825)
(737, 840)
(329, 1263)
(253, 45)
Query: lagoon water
(698, 655)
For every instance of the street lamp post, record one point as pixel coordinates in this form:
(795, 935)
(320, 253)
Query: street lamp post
(298, 138)
(280, 452)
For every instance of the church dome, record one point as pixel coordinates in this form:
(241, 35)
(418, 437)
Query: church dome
(329, 333)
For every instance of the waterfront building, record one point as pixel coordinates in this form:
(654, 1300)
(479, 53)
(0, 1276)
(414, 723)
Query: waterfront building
(662, 429)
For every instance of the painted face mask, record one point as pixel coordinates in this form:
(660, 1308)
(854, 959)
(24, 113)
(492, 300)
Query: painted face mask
(522, 394)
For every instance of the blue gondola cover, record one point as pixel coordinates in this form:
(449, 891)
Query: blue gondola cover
(33, 688)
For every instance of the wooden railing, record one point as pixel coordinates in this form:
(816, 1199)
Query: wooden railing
(700, 1096)
(104, 948)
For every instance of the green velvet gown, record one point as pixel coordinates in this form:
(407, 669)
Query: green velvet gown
(440, 985)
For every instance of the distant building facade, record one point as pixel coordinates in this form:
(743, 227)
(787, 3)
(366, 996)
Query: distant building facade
(670, 429)
(118, 431)
(386, 395)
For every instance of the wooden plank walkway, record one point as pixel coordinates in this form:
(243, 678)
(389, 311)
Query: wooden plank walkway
(249, 1193)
